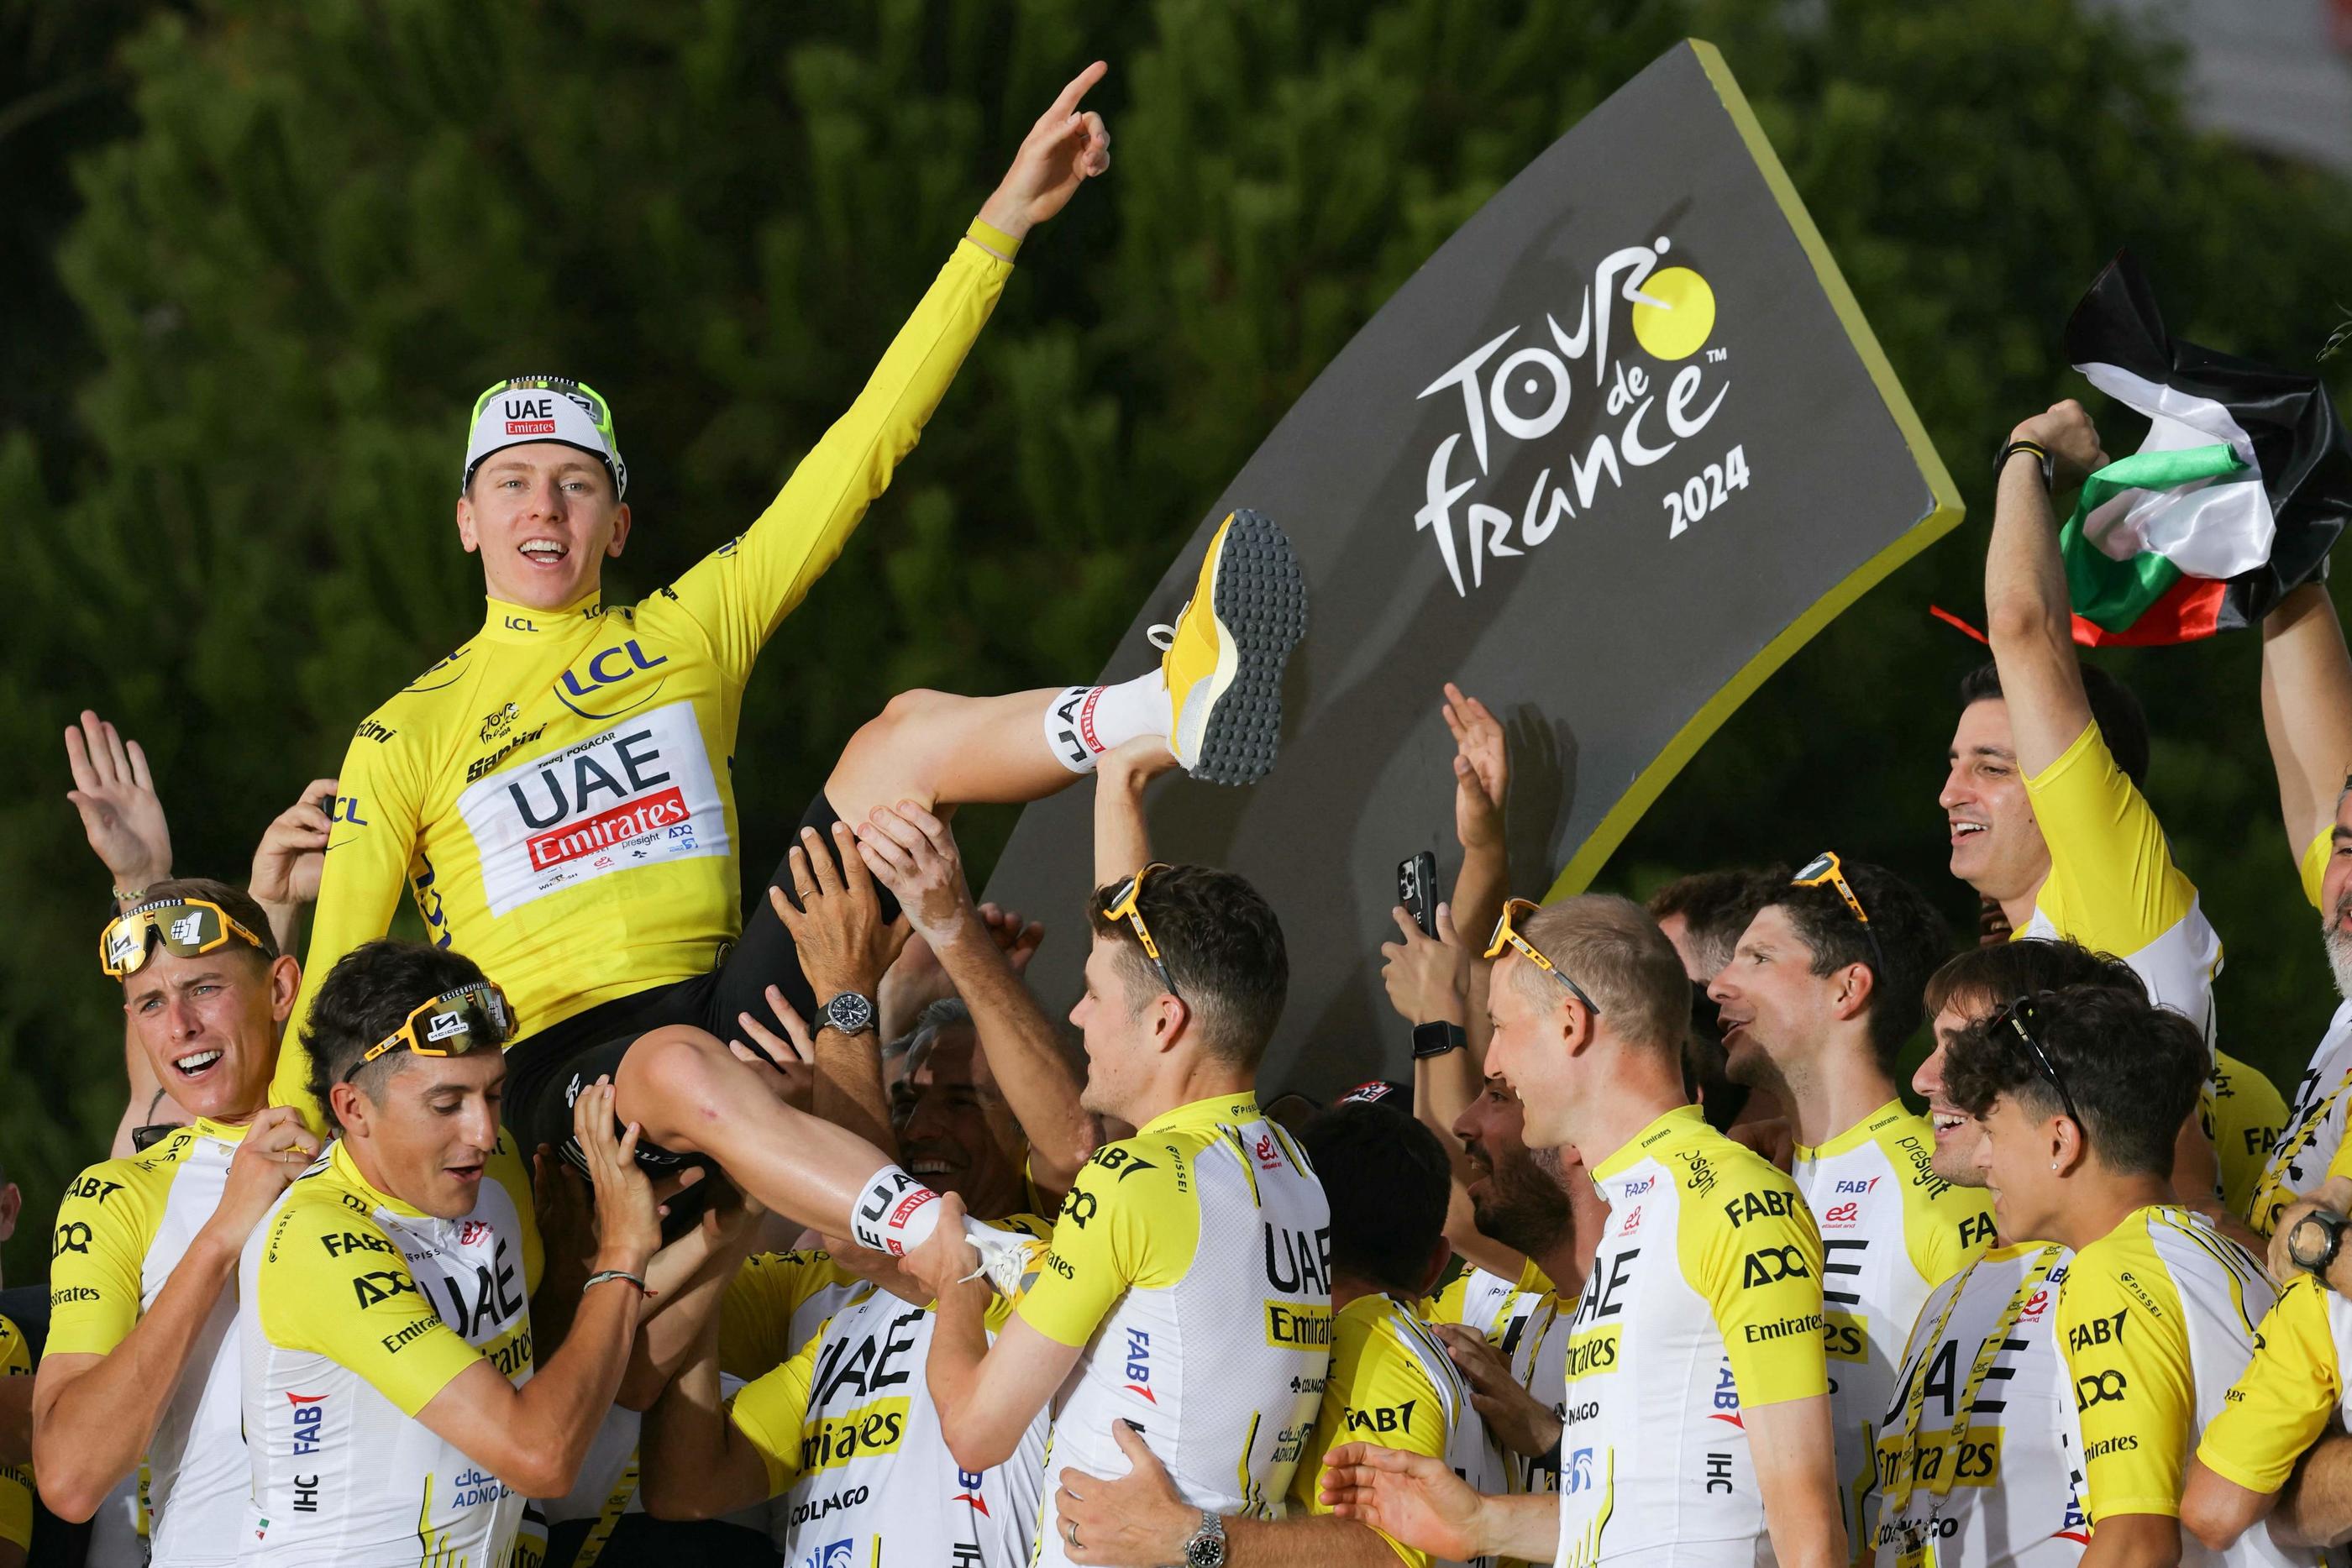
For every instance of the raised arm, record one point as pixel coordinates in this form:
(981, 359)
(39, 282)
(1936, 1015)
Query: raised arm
(843, 946)
(915, 855)
(1122, 835)
(1482, 781)
(741, 592)
(291, 858)
(693, 1463)
(2308, 710)
(94, 1410)
(122, 814)
(2027, 616)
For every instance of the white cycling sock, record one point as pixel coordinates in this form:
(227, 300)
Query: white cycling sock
(1084, 722)
(894, 1212)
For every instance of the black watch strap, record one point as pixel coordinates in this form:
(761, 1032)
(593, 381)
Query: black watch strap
(2041, 456)
(1437, 1038)
(2335, 1225)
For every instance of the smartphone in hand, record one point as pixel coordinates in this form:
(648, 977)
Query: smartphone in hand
(1417, 890)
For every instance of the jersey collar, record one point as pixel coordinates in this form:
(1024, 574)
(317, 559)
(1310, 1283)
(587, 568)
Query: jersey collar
(347, 1170)
(1854, 1137)
(505, 623)
(1229, 1108)
(205, 1127)
(1680, 1119)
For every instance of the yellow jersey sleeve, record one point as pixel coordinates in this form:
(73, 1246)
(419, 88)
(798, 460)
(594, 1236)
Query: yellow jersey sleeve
(755, 1314)
(379, 810)
(1943, 1229)
(332, 1283)
(1754, 1255)
(740, 593)
(1129, 1219)
(1376, 1392)
(98, 1252)
(771, 1410)
(16, 1481)
(2281, 1401)
(2314, 864)
(2134, 1395)
(2115, 888)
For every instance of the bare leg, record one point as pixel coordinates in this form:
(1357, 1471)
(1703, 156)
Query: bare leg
(933, 747)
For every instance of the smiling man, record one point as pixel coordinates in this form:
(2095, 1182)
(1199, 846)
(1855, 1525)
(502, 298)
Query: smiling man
(141, 1362)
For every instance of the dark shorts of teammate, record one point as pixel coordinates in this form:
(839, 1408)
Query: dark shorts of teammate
(546, 1072)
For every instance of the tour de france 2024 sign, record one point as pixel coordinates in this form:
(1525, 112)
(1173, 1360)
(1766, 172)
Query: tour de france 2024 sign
(1607, 459)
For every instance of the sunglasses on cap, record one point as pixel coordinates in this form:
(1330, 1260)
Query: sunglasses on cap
(472, 1017)
(1123, 906)
(2019, 1020)
(1825, 870)
(185, 927)
(1507, 935)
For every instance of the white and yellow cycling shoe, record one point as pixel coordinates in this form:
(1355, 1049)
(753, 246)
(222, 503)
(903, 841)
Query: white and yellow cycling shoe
(1222, 662)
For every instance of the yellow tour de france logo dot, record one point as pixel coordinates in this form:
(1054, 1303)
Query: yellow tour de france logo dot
(1677, 326)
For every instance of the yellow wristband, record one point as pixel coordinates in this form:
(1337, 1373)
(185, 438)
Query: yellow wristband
(993, 240)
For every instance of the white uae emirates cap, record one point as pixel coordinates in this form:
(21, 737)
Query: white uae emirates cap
(524, 409)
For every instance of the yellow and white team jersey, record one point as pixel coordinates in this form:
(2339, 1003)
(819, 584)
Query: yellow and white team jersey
(775, 1305)
(2312, 1146)
(16, 1481)
(123, 1226)
(1391, 1384)
(2290, 1389)
(358, 1309)
(1191, 1262)
(557, 795)
(1975, 1454)
(1525, 1319)
(1705, 1299)
(2156, 1321)
(1892, 1231)
(2112, 887)
(855, 1453)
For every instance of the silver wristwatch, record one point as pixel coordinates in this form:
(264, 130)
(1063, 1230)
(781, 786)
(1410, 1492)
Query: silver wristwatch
(849, 1012)
(1206, 1549)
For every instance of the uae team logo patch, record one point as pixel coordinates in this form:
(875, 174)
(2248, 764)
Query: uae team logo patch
(1606, 460)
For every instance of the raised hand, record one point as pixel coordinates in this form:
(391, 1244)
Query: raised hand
(915, 856)
(1062, 150)
(837, 927)
(292, 853)
(628, 1220)
(1427, 978)
(2064, 431)
(1482, 769)
(1017, 941)
(122, 815)
(785, 1062)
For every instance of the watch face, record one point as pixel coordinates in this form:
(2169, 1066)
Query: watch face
(849, 1012)
(2309, 1241)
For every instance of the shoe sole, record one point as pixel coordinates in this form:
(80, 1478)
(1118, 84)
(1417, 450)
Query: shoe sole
(1259, 602)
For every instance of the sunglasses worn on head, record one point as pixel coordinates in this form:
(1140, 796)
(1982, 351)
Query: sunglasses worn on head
(185, 927)
(2020, 1019)
(1507, 935)
(1124, 906)
(471, 1018)
(1825, 870)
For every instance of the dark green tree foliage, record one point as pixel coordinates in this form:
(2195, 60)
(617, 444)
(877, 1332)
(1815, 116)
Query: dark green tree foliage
(328, 225)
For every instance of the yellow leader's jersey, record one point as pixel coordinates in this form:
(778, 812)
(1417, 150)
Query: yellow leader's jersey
(1189, 1265)
(1392, 1385)
(2290, 1391)
(856, 1456)
(16, 1481)
(2112, 887)
(358, 1308)
(2156, 1320)
(1527, 1322)
(1704, 1301)
(557, 795)
(775, 1304)
(1892, 1231)
(2313, 1143)
(122, 1229)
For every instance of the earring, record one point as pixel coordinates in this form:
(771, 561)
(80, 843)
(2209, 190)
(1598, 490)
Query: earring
(2053, 1165)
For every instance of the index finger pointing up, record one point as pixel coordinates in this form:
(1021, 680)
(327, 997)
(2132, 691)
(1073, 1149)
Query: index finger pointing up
(1067, 104)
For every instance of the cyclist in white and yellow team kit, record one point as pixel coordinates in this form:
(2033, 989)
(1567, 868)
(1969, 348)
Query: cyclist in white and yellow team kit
(1390, 1381)
(1821, 992)
(1977, 1458)
(2081, 1093)
(141, 1364)
(1510, 1337)
(1706, 1281)
(2307, 715)
(392, 1407)
(1186, 1291)
(2047, 819)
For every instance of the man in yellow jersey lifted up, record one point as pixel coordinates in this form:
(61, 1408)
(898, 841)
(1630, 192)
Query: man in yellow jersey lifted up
(2045, 811)
(1707, 1280)
(555, 795)
(1821, 992)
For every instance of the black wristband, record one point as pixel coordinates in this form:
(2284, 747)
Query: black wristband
(1437, 1038)
(2041, 455)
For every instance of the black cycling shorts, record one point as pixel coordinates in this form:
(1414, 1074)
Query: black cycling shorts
(546, 1072)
